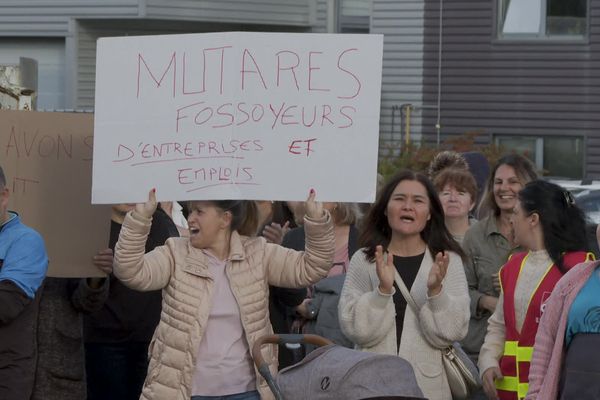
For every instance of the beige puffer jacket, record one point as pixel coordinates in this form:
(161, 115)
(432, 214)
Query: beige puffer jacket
(181, 271)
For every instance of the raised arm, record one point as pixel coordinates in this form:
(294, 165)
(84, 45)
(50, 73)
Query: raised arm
(444, 318)
(293, 269)
(366, 313)
(135, 269)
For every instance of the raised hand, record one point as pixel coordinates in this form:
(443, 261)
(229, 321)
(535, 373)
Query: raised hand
(437, 273)
(274, 232)
(314, 209)
(147, 209)
(386, 272)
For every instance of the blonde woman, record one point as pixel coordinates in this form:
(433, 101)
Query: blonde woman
(215, 294)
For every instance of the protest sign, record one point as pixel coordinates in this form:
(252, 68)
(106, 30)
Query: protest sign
(237, 116)
(47, 160)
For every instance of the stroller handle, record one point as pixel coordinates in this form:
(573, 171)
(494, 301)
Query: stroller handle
(263, 367)
(285, 339)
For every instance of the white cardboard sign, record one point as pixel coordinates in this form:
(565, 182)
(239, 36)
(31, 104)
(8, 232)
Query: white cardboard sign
(241, 115)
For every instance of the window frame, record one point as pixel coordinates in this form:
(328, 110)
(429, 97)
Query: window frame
(539, 148)
(540, 36)
(352, 24)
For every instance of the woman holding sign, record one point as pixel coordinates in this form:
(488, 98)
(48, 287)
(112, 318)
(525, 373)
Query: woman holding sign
(405, 239)
(215, 294)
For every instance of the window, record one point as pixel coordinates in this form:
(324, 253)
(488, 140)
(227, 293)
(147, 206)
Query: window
(555, 156)
(354, 16)
(542, 18)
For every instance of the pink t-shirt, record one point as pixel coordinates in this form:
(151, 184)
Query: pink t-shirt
(224, 365)
(340, 261)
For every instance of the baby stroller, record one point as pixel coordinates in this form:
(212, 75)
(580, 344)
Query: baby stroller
(334, 372)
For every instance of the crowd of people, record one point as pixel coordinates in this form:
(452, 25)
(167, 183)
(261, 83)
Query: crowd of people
(505, 268)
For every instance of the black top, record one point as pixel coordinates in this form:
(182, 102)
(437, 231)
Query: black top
(129, 315)
(407, 268)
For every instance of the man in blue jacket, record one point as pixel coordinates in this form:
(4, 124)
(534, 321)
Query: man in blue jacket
(23, 266)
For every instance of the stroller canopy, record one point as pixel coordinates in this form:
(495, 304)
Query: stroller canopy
(335, 372)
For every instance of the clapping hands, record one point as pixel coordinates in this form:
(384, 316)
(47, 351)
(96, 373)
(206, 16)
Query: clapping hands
(437, 273)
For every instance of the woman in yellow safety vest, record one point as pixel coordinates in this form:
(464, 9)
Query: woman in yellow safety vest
(551, 227)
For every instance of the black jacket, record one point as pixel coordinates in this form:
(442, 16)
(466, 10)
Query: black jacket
(128, 315)
(60, 373)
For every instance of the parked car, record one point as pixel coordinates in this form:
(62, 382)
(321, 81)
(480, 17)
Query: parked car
(589, 201)
(587, 196)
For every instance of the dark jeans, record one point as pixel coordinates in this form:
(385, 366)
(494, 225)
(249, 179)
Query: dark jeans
(115, 370)
(253, 395)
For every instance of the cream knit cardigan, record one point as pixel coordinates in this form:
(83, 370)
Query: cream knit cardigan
(367, 317)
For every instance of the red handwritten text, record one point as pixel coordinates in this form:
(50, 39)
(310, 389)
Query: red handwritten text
(148, 153)
(201, 178)
(204, 72)
(300, 146)
(201, 114)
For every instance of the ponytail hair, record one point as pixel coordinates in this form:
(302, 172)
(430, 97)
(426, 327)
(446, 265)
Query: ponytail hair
(562, 221)
(244, 215)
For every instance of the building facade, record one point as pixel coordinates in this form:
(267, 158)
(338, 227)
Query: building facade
(62, 34)
(521, 74)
